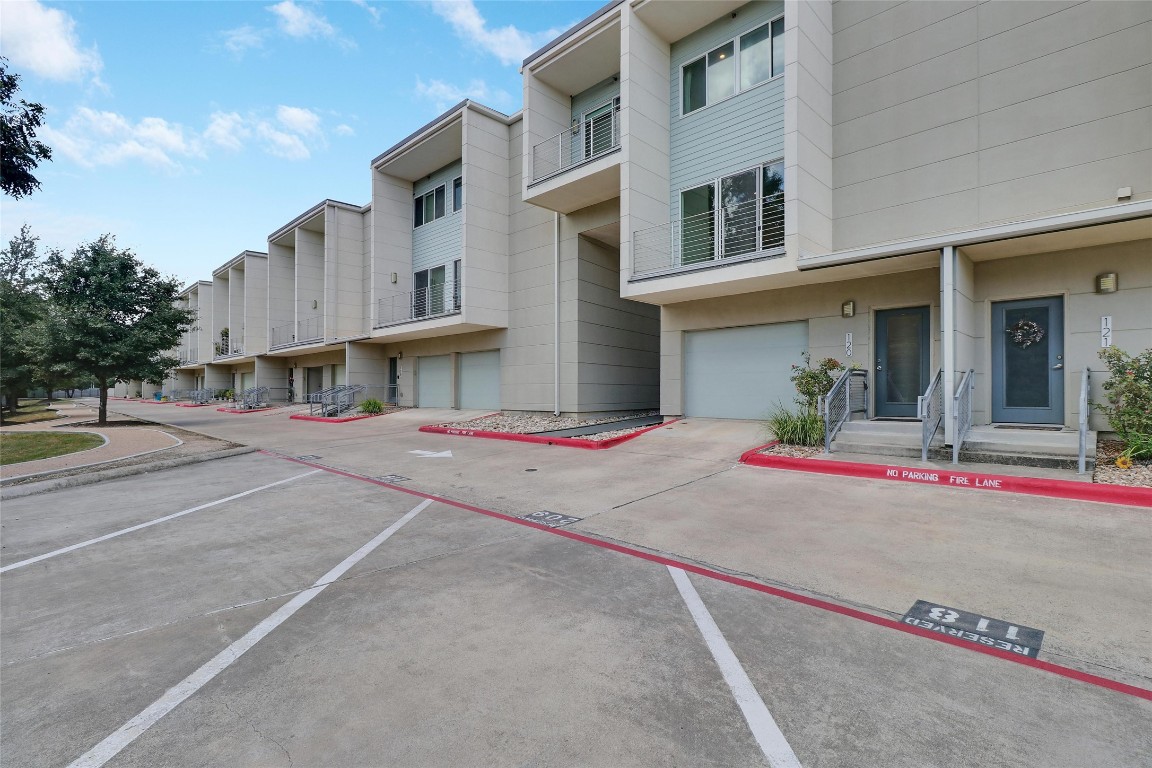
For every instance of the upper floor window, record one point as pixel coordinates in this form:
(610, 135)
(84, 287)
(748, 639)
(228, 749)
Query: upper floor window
(737, 65)
(735, 215)
(428, 207)
(457, 193)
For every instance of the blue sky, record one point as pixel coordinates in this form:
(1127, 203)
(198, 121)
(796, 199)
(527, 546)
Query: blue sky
(192, 130)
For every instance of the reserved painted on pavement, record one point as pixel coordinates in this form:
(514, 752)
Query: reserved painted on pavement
(975, 628)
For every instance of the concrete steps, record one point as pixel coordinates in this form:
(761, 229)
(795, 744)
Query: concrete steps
(1056, 449)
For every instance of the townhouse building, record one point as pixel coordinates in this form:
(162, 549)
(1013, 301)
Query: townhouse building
(953, 197)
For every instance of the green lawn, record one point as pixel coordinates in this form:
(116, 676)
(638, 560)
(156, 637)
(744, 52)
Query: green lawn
(29, 411)
(16, 447)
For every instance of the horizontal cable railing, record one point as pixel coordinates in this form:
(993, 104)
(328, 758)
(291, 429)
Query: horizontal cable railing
(433, 301)
(962, 413)
(573, 146)
(731, 231)
(930, 409)
(299, 332)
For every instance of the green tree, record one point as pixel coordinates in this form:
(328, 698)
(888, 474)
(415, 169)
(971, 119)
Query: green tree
(20, 152)
(21, 309)
(113, 317)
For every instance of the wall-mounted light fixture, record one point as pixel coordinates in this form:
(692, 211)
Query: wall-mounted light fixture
(1109, 282)
(315, 304)
(848, 309)
(1124, 193)
(394, 278)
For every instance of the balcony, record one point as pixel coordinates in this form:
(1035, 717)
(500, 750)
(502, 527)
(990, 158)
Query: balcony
(434, 301)
(732, 233)
(580, 166)
(227, 347)
(300, 332)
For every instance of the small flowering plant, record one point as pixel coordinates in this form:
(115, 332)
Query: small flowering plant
(1025, 333)
(1129, 405)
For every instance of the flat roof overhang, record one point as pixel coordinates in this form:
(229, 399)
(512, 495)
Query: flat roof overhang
(582, 62)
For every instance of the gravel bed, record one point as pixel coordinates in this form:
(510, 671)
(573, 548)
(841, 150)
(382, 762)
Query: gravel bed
(524, 423)
(794, 451)
(1107, 451)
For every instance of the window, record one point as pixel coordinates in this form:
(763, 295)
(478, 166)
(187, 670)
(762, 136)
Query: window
(735, 215)
(721, 73)
(600, 131)
(428, 207)
(457, 194)
(432, 291)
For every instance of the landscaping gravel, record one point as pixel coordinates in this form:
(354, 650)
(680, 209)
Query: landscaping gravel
(525, 424)
(1107, 451)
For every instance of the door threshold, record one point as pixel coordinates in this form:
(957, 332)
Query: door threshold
(1033, 427)
(894, 418)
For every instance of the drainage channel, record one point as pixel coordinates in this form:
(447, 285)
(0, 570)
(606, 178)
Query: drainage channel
(611, 426)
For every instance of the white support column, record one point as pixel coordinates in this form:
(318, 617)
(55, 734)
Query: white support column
(948, 334)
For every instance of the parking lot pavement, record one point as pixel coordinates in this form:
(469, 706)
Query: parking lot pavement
(463, 639)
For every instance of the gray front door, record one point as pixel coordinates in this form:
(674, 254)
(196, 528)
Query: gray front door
(903, 346)
(1028, 361)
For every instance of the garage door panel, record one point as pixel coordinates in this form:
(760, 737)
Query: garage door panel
(741, 373)
(480, 380)
(434, 382)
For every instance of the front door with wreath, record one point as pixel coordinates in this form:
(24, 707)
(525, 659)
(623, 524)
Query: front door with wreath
(1028, 361)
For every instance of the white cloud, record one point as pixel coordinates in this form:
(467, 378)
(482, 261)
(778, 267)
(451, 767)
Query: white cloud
(373, 11)
(299, 120)
(228, 130)
(344, 130)
(282, 144)
(444, 95)
(43, 41)
(90, 138)
(295, 21)
(509, 44)
(240, 40)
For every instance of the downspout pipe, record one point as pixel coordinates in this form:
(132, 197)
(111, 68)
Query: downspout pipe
(556, 320)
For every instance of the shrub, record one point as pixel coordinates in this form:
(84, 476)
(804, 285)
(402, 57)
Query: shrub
(228, 394)
(371, 405)
(804, 428)
(813, 383)
(1129, 406)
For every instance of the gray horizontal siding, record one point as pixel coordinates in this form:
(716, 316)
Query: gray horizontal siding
(442, 240)
(745, 130)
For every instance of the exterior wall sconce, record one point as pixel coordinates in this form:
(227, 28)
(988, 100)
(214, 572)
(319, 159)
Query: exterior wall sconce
(394, 278)
(848, 309)
(1108, 282)
(315, 304)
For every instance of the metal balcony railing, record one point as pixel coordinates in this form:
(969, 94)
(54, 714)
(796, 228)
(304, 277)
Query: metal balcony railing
(433, 301)
(299, 332)
(597, 136)
(228, 347)
(751, 229)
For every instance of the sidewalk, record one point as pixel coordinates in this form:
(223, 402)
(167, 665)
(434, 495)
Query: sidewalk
(120, 443)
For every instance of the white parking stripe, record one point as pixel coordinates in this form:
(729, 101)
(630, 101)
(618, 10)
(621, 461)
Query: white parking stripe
(127, 733)
(767, 734)
(157, 521)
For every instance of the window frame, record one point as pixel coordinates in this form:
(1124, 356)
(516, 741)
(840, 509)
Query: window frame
(735, 43)
(613, 105)
(457, 184)
(718, 255)
(426, 201)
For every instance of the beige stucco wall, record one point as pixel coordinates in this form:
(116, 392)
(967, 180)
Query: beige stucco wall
(952, 115)
(819, 304)
(1071, 275)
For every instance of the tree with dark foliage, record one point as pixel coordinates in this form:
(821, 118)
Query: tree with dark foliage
(20, 152)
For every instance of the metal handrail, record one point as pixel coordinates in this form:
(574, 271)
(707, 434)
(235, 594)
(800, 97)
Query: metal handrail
(930, 409)
(299, 332)
(837, 406)
(253, 397)
(1085, 384)
(573, 146)
(335, 400)
(422, 304)
(962, 413)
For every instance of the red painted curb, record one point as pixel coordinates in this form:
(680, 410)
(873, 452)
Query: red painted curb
(332, 419)
(1034, 486)
(796, 597)
(191, 405)
(571, 442)
(244, 410)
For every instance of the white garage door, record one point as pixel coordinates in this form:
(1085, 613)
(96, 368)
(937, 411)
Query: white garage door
(742, 373)
(480, 380)
(434, 382)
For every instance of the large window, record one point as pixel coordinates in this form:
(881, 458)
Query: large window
(735, 215)
(428, 207)
(436, 291)
(600, 131)
(457, 193)
(737, 65)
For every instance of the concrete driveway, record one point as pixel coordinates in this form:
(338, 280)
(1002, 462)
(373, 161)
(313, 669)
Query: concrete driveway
(467, 639)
